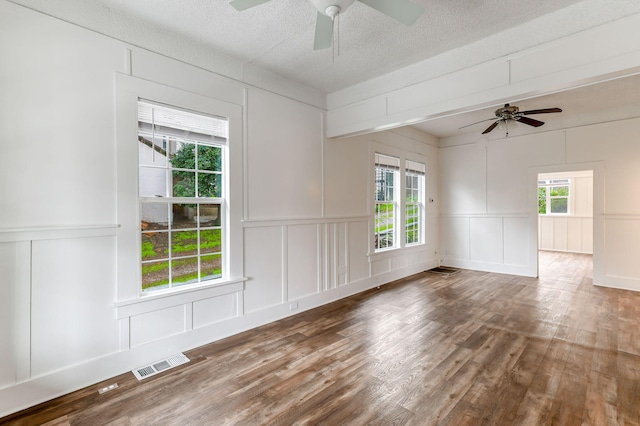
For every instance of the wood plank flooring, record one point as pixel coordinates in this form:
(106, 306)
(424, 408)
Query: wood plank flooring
(469, 349)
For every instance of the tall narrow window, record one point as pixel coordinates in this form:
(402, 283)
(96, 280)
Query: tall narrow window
(414, 202)
(553, 196)
(386, 205)
(182, 196)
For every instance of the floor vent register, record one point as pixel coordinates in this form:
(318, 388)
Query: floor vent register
(444, 270)
(160, 366)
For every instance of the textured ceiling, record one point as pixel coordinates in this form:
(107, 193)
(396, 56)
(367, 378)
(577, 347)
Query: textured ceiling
(278, 36)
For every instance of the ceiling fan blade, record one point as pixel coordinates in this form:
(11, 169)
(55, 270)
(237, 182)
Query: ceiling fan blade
(530, 121)
(246, 4)
(477, 122)
(324, 32)
(490, 128)
(541, 111)
(400, 10)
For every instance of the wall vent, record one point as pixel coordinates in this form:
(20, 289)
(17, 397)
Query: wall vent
(444, 270)
(160, 366)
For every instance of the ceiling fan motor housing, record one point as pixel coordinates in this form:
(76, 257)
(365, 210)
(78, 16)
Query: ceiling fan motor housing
(331, 7)
(508, 112)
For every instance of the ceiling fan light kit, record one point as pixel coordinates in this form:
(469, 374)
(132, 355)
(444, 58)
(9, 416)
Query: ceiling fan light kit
(329, 11)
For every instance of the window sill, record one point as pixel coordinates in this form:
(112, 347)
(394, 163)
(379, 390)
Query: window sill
(155, 302)
(395, 252)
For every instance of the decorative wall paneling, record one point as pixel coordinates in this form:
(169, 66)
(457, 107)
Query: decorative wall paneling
(558, 65)
(493, 243)
(48, 326)
(477, 193)
(67, 320)
(566, 233)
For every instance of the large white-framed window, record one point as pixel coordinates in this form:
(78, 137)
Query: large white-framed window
(386, 211)
(414, 202)
(553, 196)
(182, 196)
(179, 195)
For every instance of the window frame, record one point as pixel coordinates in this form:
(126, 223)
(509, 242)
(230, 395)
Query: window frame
(172, 142)
(548, 184)
(400, 201)
(130, 299)
(420, 176)
(392, 171)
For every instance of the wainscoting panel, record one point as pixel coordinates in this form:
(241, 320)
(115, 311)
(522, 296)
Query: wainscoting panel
(157, 325)
(214, 309)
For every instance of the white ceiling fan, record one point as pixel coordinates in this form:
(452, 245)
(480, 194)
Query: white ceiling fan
(328, 10)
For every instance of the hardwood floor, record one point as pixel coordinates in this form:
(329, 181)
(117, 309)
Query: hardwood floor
(469, 349)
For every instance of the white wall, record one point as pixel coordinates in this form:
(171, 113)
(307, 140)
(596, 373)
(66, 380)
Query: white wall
(489, 199)
(572, 232)
(68, 318)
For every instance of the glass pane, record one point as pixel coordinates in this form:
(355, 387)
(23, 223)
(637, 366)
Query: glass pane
(154, 216)
(184, 243)
(209, 215)
(184, 184)
(210, 267)
(155, 245)
(209, 158)
(542, 200)
(412, 235)
(184, 216)
(211, 241)
(155, 275)
(182, 155)
(184, 271)
(209, 185)
(413, 224)
(389, 194)
(150, 153)
(558, 205)
(384, 225)
(152, 182)
(559, 191)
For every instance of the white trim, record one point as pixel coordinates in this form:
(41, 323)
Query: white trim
(56, 232)
(309, 221)
(128, 91)
(22, 301)
(379, 148)
(485, 215)
(155, 302)
(398, 252)
(598, 168)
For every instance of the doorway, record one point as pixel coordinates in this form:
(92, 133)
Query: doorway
(565, 223)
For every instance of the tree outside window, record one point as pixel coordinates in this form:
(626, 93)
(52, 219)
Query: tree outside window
(553, 196)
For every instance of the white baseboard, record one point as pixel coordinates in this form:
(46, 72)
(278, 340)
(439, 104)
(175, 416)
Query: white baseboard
(499, 268)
